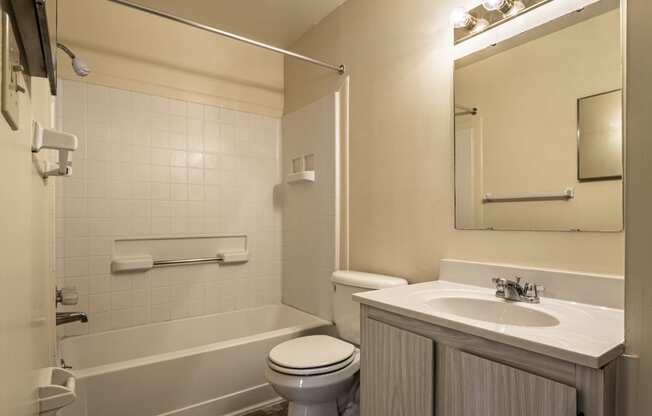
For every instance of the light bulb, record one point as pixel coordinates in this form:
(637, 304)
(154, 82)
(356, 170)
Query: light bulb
(507, 7)
(492, 5)
(461, 19)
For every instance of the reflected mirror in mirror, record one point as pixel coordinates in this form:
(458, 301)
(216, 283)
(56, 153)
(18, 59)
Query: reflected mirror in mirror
(530, 152)
(600, 137)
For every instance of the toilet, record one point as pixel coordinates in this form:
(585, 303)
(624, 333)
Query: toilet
(313, 372)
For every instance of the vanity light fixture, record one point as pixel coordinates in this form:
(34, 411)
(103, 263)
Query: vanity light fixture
(507, 7)
(462, 19)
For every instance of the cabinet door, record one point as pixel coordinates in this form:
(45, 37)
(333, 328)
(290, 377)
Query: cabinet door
(397, 372)
(472, 386)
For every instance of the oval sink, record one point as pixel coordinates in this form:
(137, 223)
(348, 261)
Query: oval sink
(495, 311)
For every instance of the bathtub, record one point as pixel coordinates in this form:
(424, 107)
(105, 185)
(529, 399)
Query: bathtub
(205, 366)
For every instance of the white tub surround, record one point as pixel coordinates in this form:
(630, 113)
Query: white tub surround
(200, 366)
(149, 168)
(579, 333)
(311, 238)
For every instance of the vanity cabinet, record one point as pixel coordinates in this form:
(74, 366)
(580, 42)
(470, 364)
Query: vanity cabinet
(469, 385)
(398, 370)
(415, 368)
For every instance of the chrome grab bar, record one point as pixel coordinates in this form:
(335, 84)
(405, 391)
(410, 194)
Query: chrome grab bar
(162, 263)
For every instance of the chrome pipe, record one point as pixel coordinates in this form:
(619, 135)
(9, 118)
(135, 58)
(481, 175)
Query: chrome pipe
(339, 69)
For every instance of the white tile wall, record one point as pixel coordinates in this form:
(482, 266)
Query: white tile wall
(151, 166)
(309, 209)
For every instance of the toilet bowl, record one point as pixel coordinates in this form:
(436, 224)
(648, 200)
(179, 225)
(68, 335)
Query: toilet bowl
(313, 387)
(314, 372)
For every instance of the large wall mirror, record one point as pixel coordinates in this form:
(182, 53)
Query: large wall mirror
(538, 128)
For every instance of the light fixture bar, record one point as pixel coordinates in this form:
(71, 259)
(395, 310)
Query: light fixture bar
(495, 15)
(339, 69)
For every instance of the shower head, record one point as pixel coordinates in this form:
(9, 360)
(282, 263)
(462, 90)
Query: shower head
(80, 67)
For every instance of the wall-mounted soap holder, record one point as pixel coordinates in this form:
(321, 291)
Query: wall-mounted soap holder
(56, 390)
(303, 169)
(305, 176)
(64, 143)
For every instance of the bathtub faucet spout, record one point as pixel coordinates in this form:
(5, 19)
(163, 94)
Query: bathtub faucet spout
(68, 317)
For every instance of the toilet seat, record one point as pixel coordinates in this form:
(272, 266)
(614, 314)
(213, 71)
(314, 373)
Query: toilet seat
(311, 355)
(316, 371)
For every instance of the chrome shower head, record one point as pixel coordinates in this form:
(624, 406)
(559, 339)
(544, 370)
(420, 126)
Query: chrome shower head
(80, 67)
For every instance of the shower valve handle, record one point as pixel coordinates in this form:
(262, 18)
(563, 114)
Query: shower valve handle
(67, 296)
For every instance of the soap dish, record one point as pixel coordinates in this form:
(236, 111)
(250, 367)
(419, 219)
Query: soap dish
(303, 176)
(56, 390)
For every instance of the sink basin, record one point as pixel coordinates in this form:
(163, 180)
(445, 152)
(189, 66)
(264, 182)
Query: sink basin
(494, 311)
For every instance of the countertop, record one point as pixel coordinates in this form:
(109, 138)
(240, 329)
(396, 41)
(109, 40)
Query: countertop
(587, 335)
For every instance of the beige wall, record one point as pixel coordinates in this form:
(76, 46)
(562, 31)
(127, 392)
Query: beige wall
(527, 100)
(26, 278)
(638, 293)
(133, 50)
(399, 55)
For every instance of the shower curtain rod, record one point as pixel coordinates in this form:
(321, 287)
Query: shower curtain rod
(340, 69)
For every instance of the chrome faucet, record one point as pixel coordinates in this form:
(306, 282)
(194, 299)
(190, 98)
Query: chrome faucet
(69, 317)
(68, 296)
(517, 292)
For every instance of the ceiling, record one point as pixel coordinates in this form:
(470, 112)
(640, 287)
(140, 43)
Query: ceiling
(277, 22)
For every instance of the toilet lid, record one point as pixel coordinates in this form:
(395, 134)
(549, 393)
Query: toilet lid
(310, 352)
(317, 371)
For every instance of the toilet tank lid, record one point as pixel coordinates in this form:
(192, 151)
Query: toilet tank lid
(366, 280)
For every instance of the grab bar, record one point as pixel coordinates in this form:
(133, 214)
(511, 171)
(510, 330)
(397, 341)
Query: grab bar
(160, 263)
(228, 257)
(568, 194)
(146, 262)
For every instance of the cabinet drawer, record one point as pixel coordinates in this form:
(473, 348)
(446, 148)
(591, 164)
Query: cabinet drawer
(468, 385)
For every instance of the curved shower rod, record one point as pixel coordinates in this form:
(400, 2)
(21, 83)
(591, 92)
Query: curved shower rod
(339, 69)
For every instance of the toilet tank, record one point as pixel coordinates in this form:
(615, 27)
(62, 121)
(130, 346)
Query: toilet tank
(346, 312)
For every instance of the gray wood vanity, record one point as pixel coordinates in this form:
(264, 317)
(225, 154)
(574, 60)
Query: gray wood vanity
(453, 347)
(414, 368)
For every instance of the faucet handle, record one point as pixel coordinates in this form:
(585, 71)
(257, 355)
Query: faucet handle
(532, 290)
(500, 284)
(67, 296)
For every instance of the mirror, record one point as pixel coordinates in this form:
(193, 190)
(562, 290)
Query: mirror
(538, 128)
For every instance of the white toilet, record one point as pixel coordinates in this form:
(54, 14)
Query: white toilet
(313, 372)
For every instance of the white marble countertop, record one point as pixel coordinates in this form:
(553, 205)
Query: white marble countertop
(587, 335)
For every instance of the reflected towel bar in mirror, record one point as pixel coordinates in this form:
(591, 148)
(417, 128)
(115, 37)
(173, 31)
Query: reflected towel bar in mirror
(568, 194)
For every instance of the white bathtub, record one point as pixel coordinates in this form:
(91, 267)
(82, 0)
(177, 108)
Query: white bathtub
(206, 366)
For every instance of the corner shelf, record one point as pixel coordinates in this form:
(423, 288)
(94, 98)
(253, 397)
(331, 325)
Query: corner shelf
(303, 176)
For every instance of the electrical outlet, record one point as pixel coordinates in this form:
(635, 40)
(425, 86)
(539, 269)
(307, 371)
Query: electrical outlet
(11, 68)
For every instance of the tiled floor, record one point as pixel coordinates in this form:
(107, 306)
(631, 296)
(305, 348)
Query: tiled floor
(276, 410)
